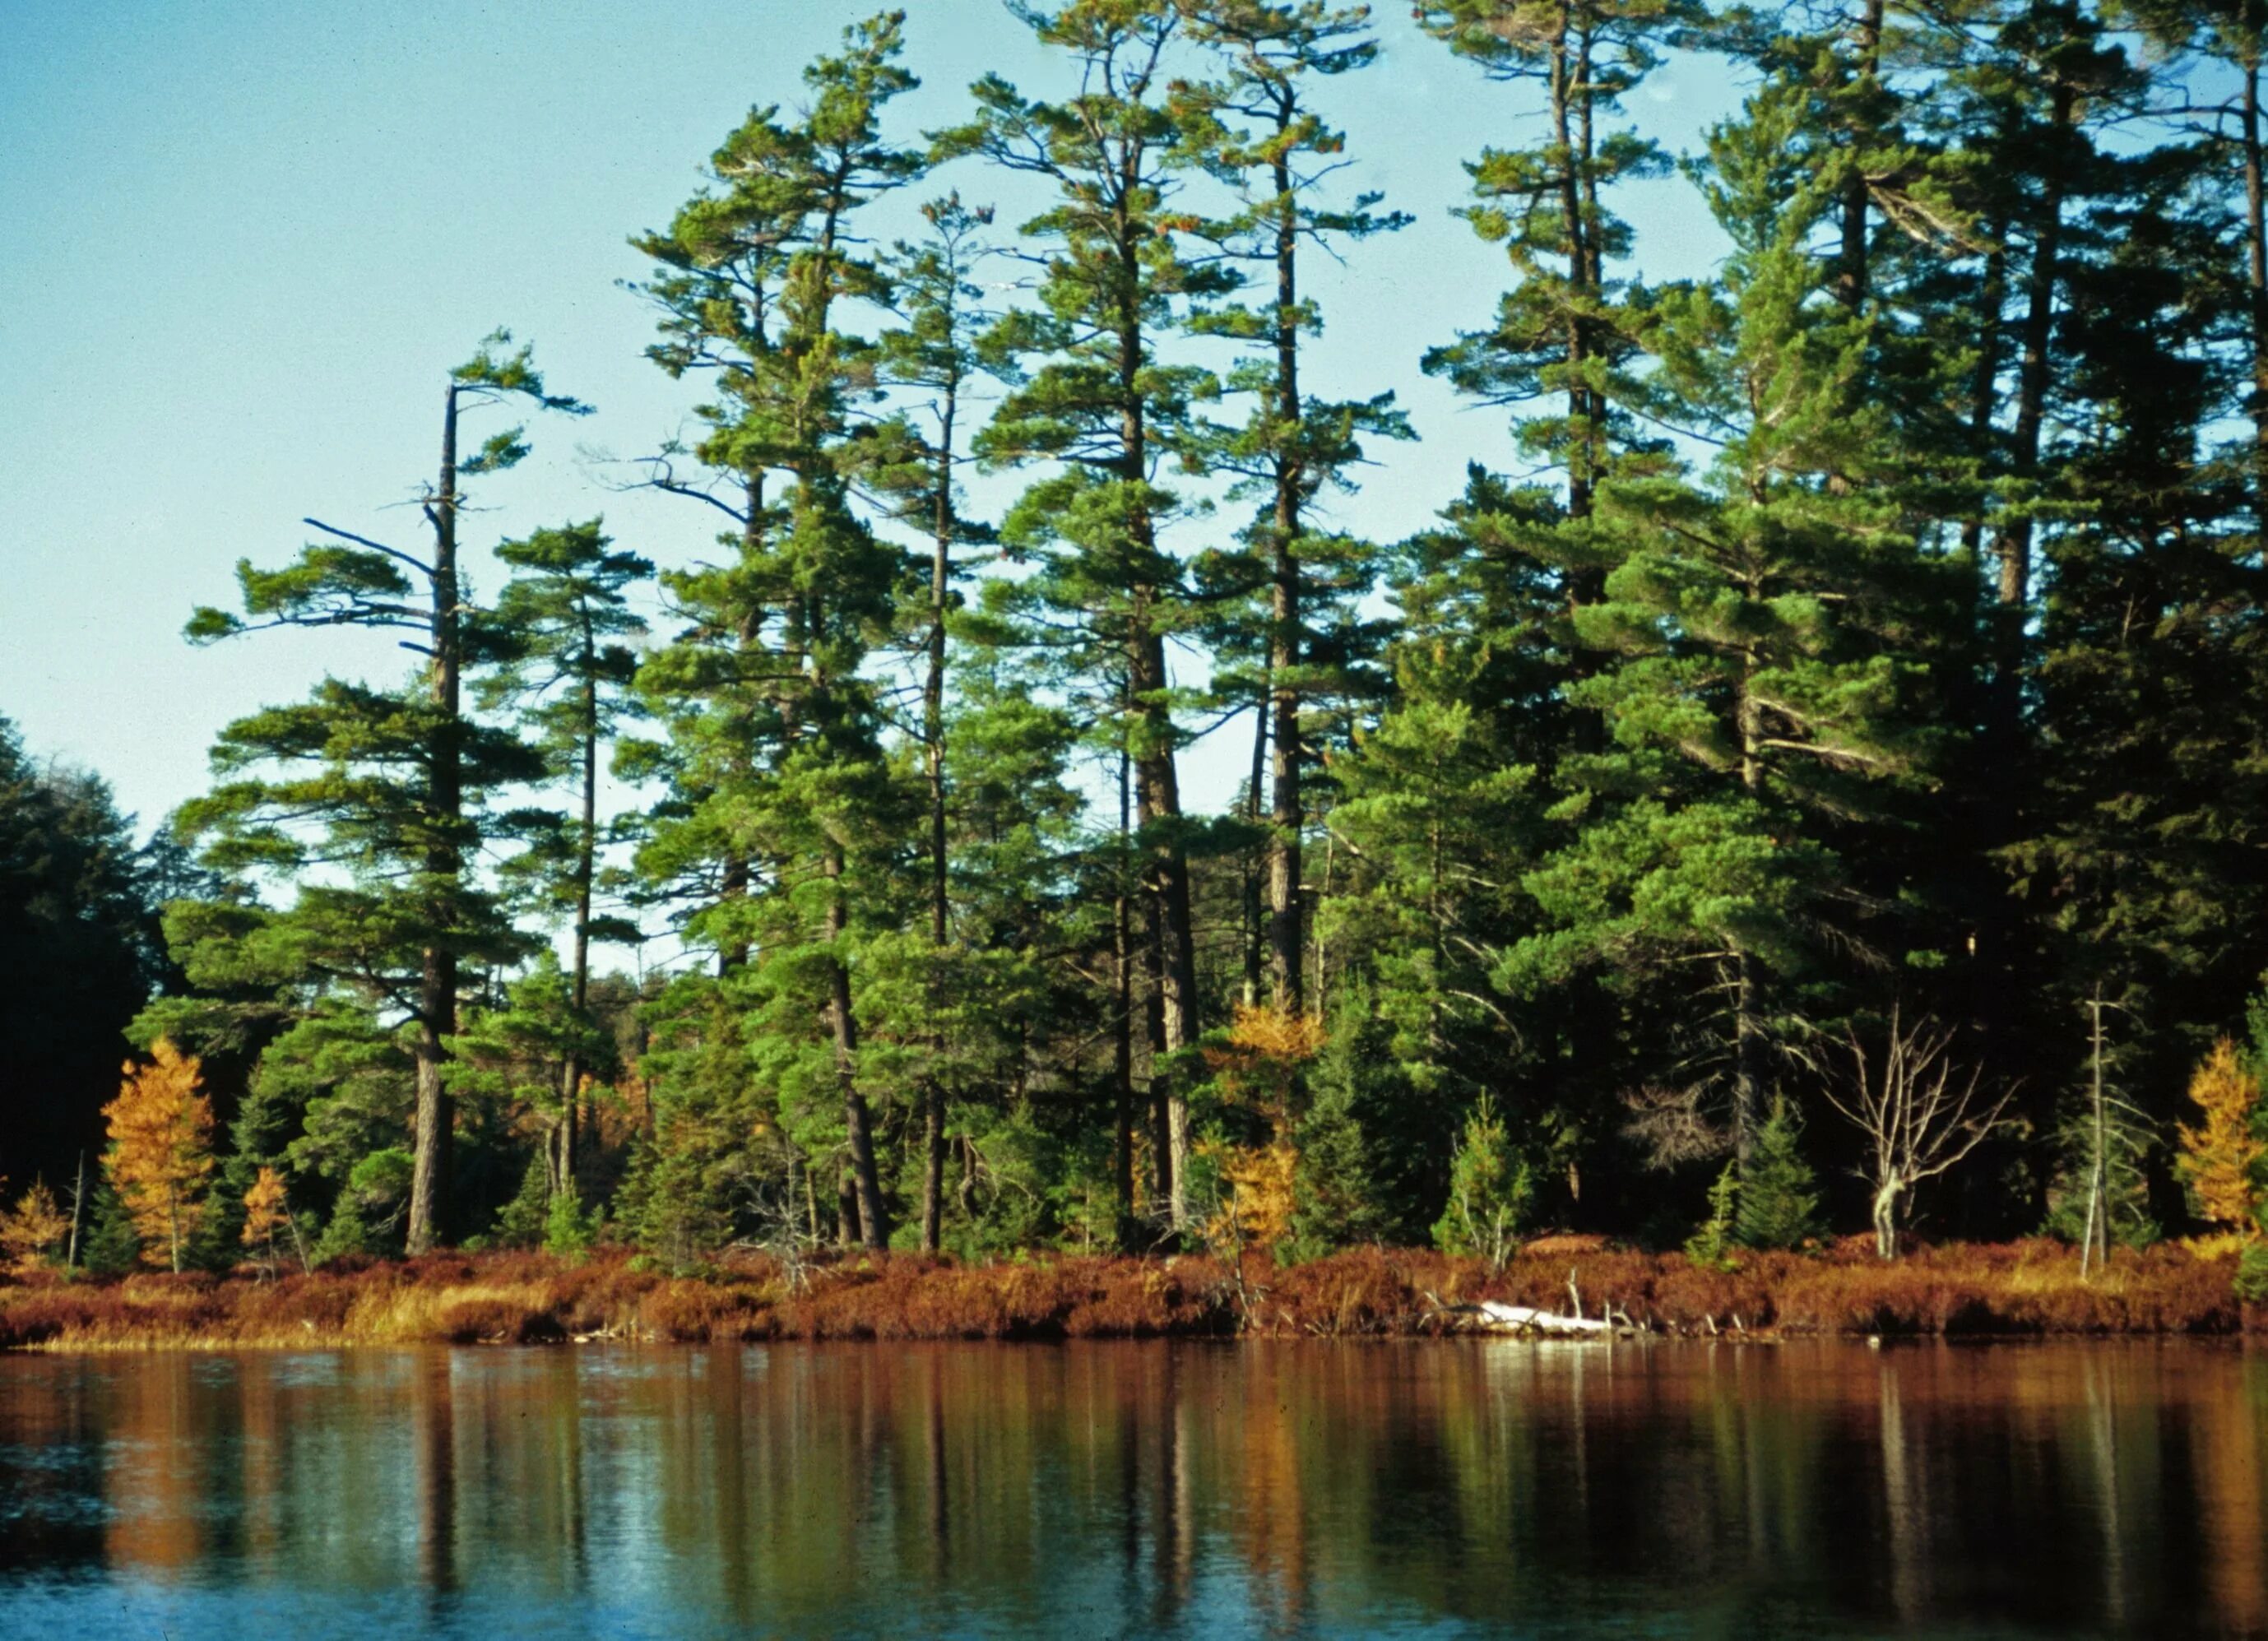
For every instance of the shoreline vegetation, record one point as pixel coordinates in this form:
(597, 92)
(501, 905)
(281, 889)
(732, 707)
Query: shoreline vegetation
(2008, 1290)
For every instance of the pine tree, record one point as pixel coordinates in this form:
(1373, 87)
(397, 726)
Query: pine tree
(565, 621)
(1567, 327)
(77, 954)
(112, 1248)
(1764, 628)
(936, 355)
(1489, 1190)
(1255, 126)
(786, 823)
(386, 783)
(1104, 407)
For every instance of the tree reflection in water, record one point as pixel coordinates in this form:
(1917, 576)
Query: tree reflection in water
(1261, 1488)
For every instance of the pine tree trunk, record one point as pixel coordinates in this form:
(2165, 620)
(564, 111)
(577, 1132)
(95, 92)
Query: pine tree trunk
(1157, 798)
(1750, 1045)
(2255, 271)
(586, 862)
(1121, 950)
(1852, 274)
(1254, 921)
(940, 909)
(1157, 787)
(858, 1128)
(1286, 815)
(436, 1000)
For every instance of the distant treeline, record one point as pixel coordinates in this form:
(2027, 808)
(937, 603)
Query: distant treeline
(1816, 771)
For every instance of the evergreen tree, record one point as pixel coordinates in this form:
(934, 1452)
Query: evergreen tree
(564, 618)
(1765, 627)
(1779, 1205)
(787, 820)
(1255, 126)
(77, 957)
(1106, 408)
(386, 783)
(937, 354)
(1490, 1187)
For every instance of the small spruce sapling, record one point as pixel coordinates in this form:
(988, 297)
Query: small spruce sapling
(1780, 1201)
(1711, 1245)
(1491, 1192)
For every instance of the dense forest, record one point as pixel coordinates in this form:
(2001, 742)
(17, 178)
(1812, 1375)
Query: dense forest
(1814, 776)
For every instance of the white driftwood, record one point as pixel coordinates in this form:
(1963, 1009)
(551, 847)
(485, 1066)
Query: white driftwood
(1528, 1319)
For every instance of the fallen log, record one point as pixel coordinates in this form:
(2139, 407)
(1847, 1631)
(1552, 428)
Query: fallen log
(1494, 1316)
(1528, 1319)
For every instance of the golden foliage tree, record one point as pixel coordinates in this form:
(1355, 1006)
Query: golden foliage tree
(2219, 1161)
(1259, 1068)
(34, 1225)
(161, 1148)
(264, 1213)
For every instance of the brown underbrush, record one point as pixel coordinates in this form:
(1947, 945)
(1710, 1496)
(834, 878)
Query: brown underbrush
(2006, 1289)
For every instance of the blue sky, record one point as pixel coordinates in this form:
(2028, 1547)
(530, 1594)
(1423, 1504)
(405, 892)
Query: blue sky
(246, 240)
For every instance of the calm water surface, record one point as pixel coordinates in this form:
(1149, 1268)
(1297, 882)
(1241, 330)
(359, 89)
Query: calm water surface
(1419, 1490)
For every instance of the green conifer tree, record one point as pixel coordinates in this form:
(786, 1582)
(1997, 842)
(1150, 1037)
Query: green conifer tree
(785, 823)
(1105, 408)
(384, 782)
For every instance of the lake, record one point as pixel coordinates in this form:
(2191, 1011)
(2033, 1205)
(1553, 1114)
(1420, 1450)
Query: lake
(1409, 1489)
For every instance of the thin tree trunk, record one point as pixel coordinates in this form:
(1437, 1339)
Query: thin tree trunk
(2255, 270)
(79, 1215)
(858, 1128)
(1286, 815)
(846, 1208)
(2013, 541)
(586, 857)
(1255, 922)
(940, 587)
(436, 1000)
(1157, 787)
(1852, 274)
(1749, 1044)
(1158, 806)
(1122, 1035)
(736, 872)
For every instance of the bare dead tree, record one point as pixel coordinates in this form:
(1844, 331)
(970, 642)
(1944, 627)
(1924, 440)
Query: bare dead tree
(1675, 1124)
(1919, 1114)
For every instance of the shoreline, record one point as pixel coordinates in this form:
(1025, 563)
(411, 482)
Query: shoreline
(2002, 1290)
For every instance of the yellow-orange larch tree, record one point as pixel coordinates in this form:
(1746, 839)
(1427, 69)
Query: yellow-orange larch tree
(160, 1154)
(265, 1214)
(2219, 1160)
(34, 1225)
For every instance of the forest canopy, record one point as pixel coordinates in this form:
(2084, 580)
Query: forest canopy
(1813, 777)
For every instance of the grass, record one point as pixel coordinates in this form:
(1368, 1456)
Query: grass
(1958, 1289)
